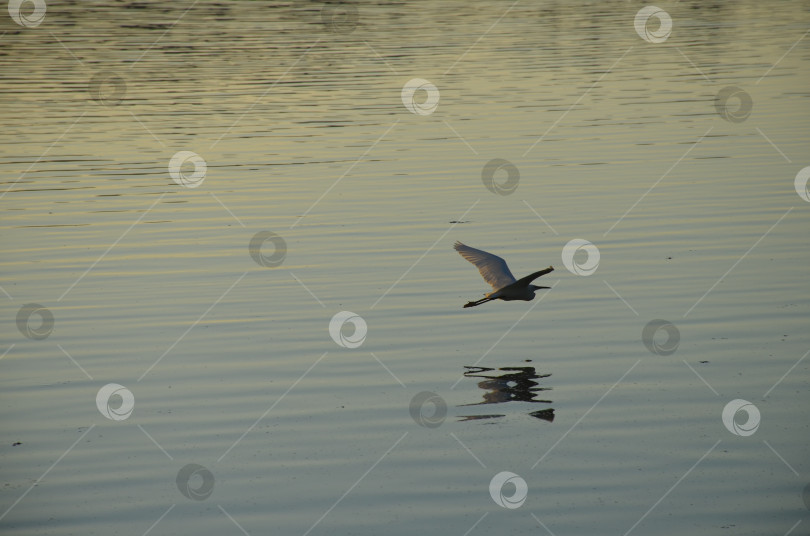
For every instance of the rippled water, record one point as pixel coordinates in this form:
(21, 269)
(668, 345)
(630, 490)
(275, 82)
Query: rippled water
(319, 177)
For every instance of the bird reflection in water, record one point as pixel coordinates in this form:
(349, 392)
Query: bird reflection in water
(509, 384)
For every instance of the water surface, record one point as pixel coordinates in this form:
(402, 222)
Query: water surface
(249, 417)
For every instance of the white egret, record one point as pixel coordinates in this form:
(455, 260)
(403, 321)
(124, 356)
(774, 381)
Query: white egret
(495, 272)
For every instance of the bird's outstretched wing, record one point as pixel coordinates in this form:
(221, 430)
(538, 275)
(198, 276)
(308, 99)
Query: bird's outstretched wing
(493, 268)
(531, 277)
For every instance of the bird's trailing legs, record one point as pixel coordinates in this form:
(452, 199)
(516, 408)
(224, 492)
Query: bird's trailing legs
(478, 302)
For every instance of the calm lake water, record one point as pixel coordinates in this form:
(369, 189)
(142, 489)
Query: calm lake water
(193, 193)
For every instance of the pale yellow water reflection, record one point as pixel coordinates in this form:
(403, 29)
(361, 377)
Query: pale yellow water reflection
(192, 191)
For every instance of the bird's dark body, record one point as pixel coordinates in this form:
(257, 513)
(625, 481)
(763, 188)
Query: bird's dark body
(495, 271)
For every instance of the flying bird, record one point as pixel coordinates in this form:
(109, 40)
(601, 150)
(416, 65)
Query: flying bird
(495, 272)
